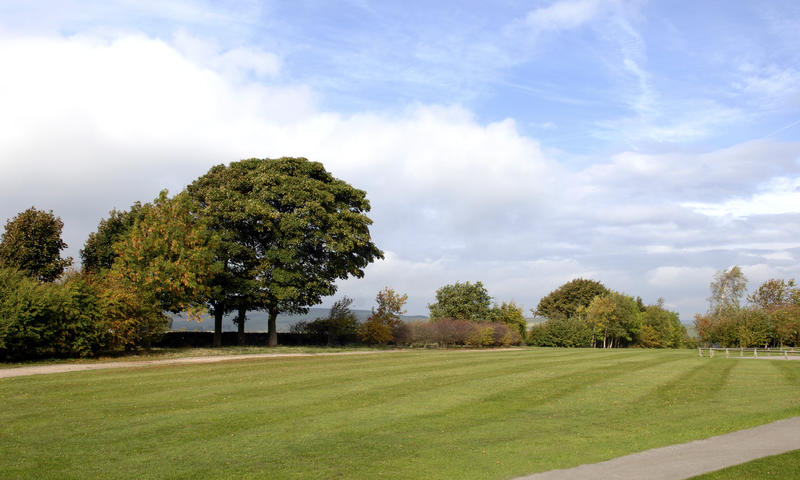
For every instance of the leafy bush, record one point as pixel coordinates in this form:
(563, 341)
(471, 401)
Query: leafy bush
(561, 332)
(49, 320)
(340, 326)
(451, 332)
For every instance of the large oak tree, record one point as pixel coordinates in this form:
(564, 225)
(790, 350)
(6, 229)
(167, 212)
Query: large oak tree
(288, 230)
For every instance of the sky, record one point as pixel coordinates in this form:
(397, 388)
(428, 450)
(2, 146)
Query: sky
(644, 144)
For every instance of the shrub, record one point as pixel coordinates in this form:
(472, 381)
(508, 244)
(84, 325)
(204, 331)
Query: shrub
(561, 332)
(451, 332)
(49, 320)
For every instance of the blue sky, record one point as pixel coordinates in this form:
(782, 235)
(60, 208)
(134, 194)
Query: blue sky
(644, 144)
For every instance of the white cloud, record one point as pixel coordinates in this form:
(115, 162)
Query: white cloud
(89, 124)
(779, 196)
(679, 276)
(236, 63)
(565, 14)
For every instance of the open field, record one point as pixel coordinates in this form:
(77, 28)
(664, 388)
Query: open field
(432, 414)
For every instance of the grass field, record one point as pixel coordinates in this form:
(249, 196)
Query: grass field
(784, 467)
(431, 414)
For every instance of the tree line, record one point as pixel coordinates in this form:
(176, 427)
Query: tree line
(584, 313)
(259, 234)
(463, 315)
(770, 318)
(274, 235)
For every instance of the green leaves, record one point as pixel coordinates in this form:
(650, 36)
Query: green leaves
(288, 229)
(461, 301)
(567, 299)
(32, 243)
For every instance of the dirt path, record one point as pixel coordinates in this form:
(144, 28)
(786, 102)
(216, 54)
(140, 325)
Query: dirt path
(77, 367)
(689, 459)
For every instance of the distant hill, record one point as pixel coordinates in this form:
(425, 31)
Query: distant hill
(257, 321)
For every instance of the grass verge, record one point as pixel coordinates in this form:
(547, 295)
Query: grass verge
(432, 414)
(784, 466)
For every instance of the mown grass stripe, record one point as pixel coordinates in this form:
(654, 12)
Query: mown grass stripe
(410, 415)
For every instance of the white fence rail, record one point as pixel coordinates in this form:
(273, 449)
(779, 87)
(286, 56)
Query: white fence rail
(748, 352)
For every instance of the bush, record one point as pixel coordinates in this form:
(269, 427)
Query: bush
(49, 320)
(451, 332)
(561, 332)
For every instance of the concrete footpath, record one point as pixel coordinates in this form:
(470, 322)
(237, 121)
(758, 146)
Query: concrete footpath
(686, 460)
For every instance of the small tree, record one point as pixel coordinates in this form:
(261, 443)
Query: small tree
(511, 314)
(340, 323)
(775, 293)
(380, 326)
(727, 290)
(462, 301)
(32, 244)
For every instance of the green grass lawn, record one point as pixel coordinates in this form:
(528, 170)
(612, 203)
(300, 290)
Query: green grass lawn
(785, 466)
(430, 414)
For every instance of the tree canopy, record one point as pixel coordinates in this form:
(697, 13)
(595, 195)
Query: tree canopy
(32, 244)
(727, 290)
(461, 301)
(98, 251)
(566, 300)
(775, 293)
(288, 230)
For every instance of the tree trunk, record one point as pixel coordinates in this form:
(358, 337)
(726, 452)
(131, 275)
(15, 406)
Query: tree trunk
(240, 319)
(218, 327)
(272, 329)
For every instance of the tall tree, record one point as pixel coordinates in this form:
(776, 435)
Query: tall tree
(461, 301)
(566, 300)
(32, 244)
(165, 262)
(98, 252)
(727, 290)
(288, 228)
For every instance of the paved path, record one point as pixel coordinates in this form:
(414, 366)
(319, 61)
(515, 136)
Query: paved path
(76, 367)
(689, 459)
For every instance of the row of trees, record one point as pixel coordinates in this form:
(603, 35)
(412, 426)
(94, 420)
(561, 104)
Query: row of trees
(584, 313)
(271, 235)
(770, 317)
(462, 315)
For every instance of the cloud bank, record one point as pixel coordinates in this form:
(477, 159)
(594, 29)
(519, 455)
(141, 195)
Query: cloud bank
(91, 123)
